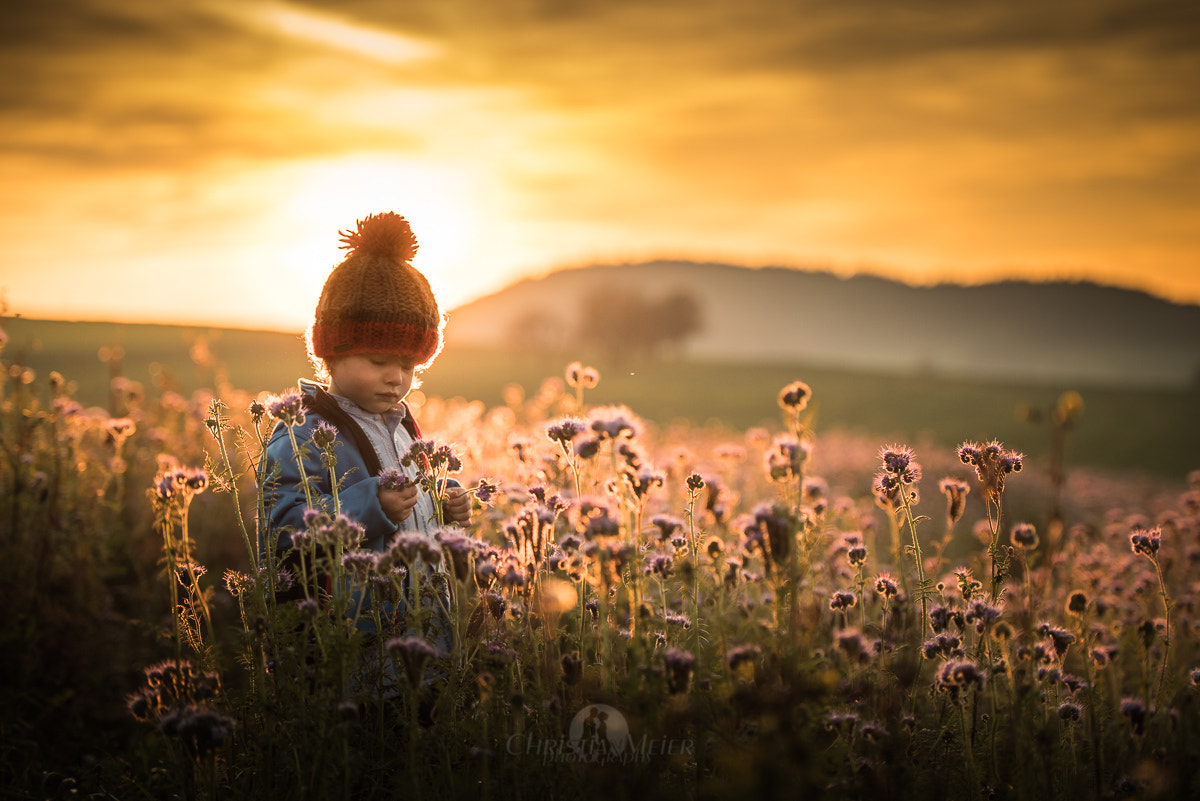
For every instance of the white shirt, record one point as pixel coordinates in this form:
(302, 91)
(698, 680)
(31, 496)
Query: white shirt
(391, 440)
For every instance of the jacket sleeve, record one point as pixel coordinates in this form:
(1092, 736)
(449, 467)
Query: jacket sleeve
(358, 492)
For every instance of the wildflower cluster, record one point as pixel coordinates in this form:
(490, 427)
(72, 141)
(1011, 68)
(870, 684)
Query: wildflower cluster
(713, 586)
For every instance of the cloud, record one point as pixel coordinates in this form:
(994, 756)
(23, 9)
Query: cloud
(929, 135)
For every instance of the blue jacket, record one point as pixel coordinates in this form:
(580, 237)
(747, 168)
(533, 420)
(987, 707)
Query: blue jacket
(357, 469)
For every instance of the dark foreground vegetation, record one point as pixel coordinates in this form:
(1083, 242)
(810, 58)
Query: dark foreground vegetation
(641, 610)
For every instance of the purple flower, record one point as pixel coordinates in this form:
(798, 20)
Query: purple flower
(662, 566)
(287, 408)
(666, 525)
(786, 457)
(361, 564)
(739, 655)
(324, 434)
(394, 479)
(992, 465)
(201, 729)
(981, 615)
(679, 664)
(841, 601)
(856, 646)
(613, 422)
(1069, 712)
(485, 490)
(942, 645)
(1024, 536)
(564, 431)
(414, 653)
(1146, 542)
(886, 586)
(956, 677)
(1135, 710)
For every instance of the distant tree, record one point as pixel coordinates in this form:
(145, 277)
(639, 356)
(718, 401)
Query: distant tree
(675, 318)
(622, 323)
(536, 330)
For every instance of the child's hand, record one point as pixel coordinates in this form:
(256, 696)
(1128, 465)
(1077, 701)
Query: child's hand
(457, 506)
(398, 504)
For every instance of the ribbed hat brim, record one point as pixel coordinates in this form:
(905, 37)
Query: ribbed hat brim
(349, 337)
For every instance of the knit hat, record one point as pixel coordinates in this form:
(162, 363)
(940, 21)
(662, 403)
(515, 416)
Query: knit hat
(375, 301)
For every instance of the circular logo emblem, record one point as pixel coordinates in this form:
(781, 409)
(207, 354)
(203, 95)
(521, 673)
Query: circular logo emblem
(598, 732)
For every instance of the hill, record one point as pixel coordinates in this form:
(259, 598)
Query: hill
(895, 362)
(1058, 331)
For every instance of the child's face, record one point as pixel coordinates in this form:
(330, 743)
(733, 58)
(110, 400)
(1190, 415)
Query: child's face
(375, 381)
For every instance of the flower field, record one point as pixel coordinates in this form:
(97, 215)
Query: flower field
(636, 612)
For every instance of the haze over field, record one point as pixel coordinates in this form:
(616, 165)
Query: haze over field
(1007, 331)
(193, 163)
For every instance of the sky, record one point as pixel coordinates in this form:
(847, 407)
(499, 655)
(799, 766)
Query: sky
(193, 162)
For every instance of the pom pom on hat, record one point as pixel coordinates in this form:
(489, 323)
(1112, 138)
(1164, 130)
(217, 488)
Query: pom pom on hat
(386, 233)
(375, 301)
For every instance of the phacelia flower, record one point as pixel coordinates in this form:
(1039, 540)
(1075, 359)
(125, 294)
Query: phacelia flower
(565, 430)
(394, 479)
(1024, 536)
(956, 677)
(856, 551)
(614, 422)
(287, 408)
(956, 497)
(1069, 712)
(786, 457)
(324, 434)
(414, 653)
(1146, 542)
(841, 601)
(485, 490)
(578, 375)
(201, 729)
(794, 397)
(992, 464)
(679, 664)
(1135, 711)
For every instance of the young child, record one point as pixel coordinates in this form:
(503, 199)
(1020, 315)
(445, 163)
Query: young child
(376, 325)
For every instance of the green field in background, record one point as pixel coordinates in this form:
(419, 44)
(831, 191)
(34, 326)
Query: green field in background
(1149, 430)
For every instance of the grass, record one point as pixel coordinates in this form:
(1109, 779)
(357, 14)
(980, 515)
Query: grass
(732, 616)
(1150, 430)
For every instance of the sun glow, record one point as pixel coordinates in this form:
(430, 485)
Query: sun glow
(323, 197)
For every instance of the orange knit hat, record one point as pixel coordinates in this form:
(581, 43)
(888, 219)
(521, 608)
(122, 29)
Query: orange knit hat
(375, 301)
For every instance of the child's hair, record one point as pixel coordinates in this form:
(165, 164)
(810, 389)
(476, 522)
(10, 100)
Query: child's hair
(375, 301)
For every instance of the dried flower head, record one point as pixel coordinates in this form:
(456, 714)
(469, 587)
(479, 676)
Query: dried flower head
(580, 376)
(794, 397)
(956, 498)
